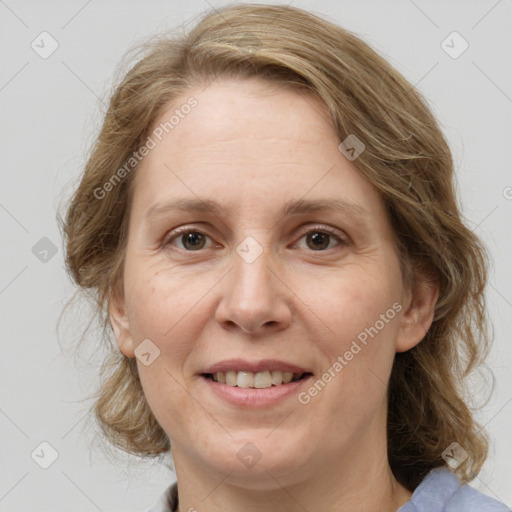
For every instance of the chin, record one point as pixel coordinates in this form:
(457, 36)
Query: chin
(259, 462)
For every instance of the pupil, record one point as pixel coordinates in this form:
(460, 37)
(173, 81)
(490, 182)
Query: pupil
(194, 239)
(319, 237)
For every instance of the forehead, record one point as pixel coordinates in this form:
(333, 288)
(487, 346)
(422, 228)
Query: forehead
(230, 109)
(244, 139)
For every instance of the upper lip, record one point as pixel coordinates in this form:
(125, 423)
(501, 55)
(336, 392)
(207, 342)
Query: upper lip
(242, 365)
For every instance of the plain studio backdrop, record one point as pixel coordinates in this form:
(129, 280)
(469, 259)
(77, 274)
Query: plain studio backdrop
(51, 100)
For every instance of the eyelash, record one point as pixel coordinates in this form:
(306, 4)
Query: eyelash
(173, 235)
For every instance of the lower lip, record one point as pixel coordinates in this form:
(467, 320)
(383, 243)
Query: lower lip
(252, 397)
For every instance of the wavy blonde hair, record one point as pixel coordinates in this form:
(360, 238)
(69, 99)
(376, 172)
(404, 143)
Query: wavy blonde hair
(407, 159)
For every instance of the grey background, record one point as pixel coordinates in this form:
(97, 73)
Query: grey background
(51, 109)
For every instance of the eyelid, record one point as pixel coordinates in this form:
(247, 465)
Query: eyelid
(325, 228)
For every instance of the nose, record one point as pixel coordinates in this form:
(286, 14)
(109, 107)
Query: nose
(254, 298)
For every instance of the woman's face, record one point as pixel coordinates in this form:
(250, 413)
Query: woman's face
(277, 279)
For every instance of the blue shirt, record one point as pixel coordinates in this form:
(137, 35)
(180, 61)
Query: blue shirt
(440, 491)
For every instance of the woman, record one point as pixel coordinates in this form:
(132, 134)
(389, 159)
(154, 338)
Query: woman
(269, 222)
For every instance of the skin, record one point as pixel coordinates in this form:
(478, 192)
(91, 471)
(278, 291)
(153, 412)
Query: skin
(251, 148)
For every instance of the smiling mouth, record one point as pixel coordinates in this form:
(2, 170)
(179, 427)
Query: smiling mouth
(259, 380)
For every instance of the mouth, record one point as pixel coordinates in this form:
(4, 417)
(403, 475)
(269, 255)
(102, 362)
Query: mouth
(256, 380)
(261, 384)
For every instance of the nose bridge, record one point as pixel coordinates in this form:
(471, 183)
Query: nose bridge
(253, 296)
(251, 269)
(251, 286)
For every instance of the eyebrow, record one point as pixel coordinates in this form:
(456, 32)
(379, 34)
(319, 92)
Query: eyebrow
(292, 207)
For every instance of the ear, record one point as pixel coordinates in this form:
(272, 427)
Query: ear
(418, 313)
(121, 326)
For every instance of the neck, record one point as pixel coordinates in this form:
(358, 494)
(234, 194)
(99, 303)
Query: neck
(365, 484)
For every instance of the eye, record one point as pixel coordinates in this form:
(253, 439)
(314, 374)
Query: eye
(318, 238)
(191, 239)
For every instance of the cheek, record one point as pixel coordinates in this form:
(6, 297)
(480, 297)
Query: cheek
(350, 302)
(359, 315)
(163, 306)
(362, 317)
(158, 298)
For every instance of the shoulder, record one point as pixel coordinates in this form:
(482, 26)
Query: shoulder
(440, 491)
(168, 500)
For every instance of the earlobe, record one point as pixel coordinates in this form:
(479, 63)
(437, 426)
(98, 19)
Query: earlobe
(121, 327)
(418, 315)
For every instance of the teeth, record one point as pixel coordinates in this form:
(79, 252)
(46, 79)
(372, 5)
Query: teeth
(260, 380)
(245, 380)
(277, 378)
(231, 378)
(287, 377)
